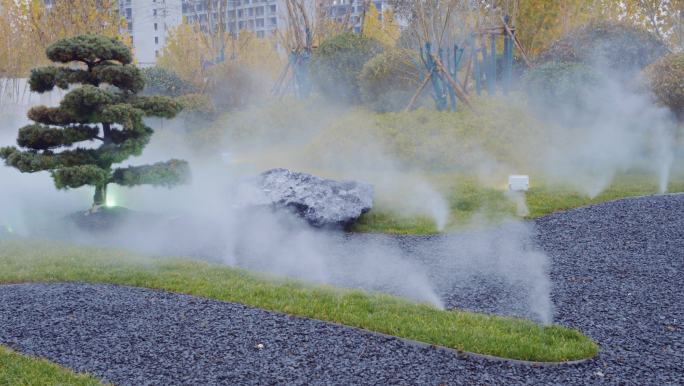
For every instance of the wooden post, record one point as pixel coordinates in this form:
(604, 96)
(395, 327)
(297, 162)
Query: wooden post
(280, 79)
(459, 92)
(516, 42)
(286, 86)
(420, 89)
(292, 78)
(467, 74)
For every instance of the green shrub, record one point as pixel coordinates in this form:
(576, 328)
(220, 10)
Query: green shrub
(335, 65)
(622, 46)
(664, 79)
(431, 140)
(162, 81)
(559, 83)
(391, 72)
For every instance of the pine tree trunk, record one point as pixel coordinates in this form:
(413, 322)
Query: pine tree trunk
(100, 197)
(106, 133)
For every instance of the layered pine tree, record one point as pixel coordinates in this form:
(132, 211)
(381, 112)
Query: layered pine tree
(104, 108)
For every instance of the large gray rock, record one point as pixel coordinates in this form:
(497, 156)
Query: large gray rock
(319, 201)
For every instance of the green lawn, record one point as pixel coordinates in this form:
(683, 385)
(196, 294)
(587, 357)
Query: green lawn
(16, 369)
(31, 260)
(474, 205)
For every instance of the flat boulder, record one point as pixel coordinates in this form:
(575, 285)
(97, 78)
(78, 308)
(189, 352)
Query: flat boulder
(319, 201)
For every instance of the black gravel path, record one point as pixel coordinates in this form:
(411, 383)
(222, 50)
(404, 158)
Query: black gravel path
(617, 274)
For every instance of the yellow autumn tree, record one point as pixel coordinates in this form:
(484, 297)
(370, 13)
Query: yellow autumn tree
(384, 29)
(231, 80)
(28, 27)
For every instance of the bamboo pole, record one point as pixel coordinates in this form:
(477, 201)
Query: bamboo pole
(516, 42)
(459, 92)
(420, 89)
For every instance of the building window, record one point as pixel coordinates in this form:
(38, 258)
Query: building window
(155, 26)
(260, 34)
(260, 23)
(273, 8)
(156, 54)
(198, 7)
(251, 11)
(129, 13)
(250, 24)
(378, 6)
(156, 40)
(185, 8)
(203, 18)
(241, 25)
(130, 27)
(246, 1)
(239, 13)
(231, 14)
(273, 21)
(260, 11)
(132, 40)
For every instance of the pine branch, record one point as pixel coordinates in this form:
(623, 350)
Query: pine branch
(168, 174)
(39, 137)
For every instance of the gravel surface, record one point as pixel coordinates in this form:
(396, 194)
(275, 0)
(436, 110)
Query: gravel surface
(613, 271)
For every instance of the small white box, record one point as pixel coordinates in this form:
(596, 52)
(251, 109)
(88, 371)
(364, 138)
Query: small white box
(518, 182)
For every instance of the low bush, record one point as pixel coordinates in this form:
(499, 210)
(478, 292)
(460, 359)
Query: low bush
(664, 80)
(617, 46)
(559, 83)
(335, 65)
(162, 81)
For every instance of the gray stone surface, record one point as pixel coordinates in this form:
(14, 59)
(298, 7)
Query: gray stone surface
(319, 201)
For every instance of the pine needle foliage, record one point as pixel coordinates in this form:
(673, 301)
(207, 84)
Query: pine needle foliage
(116, 111)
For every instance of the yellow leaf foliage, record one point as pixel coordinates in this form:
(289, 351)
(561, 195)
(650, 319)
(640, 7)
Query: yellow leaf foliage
(385, 29)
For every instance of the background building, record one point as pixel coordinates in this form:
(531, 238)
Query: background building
(148, 24)
(265, 16)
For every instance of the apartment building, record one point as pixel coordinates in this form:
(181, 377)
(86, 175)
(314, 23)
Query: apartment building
(148, 24)
(265, 17)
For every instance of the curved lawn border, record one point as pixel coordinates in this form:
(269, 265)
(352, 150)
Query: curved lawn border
(20, 369)
(468, 354)
(415, 343)
(32, 260)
